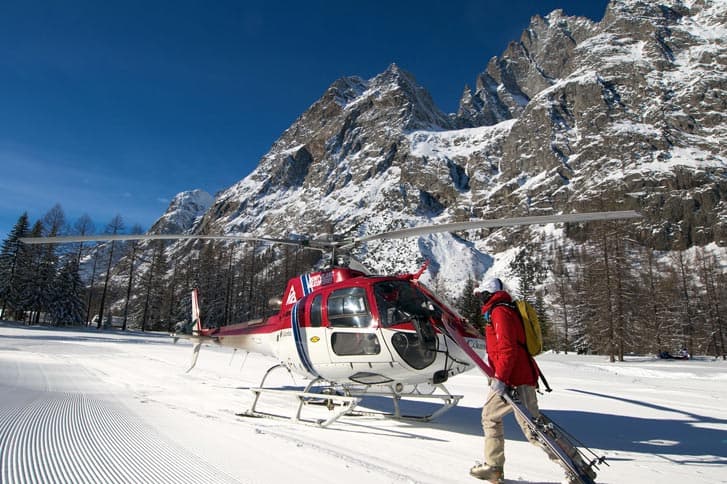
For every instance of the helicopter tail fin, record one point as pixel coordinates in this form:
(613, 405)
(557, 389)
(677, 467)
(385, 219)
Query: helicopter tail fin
(196, 319)
(196, 329)
(196, 334)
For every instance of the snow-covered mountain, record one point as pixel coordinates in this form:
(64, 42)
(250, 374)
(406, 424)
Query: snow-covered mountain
(183, 211)
(625, 113)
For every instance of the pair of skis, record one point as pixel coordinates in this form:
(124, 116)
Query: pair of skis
(545, 432)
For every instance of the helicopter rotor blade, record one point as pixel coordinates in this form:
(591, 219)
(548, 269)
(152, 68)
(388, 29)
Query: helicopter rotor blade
(503, 222)
(332, 245)
(125, 237)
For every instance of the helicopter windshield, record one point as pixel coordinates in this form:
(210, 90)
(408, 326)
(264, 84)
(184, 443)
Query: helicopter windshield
(399, 302)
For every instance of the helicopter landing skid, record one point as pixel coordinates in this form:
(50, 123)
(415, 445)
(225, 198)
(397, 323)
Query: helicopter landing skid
(340, 401)
(336, 403)
(449, 401)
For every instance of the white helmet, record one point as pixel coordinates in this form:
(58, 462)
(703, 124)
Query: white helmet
(490, 287)
(493, 285)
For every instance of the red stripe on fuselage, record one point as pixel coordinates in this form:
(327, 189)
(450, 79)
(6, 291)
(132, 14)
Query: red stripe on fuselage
(270, 325)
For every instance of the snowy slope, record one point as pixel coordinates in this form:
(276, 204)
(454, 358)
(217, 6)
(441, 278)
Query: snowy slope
(89, 406)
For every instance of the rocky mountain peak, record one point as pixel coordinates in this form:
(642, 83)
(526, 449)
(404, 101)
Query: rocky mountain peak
(356, 131)
(575, 115)
(408, 106)
(543, 55)
(183, 211)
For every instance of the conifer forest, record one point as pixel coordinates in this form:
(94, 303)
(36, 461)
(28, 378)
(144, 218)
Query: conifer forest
(596, 291)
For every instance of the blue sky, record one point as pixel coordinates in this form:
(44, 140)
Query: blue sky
(113, 107)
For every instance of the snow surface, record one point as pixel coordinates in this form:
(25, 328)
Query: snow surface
(94, 406)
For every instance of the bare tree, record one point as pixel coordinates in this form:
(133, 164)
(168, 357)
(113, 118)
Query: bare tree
(92, 282)
(681, 265)
(132, 248)
(83, 226)
(654, 307)
(562, 296)
(152, 287)
(709, 272)
(115, 227)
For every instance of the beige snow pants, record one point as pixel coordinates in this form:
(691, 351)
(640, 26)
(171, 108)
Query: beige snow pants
(495, 409)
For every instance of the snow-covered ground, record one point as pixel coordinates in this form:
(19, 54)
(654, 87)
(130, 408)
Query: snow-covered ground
(82, 406)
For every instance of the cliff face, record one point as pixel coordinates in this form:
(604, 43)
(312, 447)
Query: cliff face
(626, 112)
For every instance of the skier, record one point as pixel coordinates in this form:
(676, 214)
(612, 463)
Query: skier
(515, 372)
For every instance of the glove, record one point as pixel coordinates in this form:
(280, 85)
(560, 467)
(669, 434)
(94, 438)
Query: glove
(498, 386)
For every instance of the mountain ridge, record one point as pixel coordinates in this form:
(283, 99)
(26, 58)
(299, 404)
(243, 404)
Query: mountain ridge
(625, 113)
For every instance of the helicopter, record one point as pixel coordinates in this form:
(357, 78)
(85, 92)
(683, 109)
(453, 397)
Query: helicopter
(350, 333)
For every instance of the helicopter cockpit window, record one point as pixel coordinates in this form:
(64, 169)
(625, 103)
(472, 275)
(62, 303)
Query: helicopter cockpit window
(347, 308)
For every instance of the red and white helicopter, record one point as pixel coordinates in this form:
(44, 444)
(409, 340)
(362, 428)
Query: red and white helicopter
(353, 334)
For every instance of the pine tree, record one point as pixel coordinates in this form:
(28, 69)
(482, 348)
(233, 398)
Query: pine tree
(470, 305)
(529, 270)
(11, 259)
(66, 301)
(31, 280)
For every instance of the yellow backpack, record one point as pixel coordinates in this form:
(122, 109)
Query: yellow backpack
(531, 325)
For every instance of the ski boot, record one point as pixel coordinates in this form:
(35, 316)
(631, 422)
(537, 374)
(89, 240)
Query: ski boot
(492, 474)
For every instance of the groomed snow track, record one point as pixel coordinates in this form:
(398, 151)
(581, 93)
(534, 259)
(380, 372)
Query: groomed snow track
(49, 437)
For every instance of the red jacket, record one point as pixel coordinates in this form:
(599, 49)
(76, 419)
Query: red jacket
(505, 339)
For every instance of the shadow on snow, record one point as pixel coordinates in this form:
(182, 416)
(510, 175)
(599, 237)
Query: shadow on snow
(679, 438)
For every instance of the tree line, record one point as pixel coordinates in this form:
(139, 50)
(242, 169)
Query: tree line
(598, 292)
(608, 295)
(136, 284)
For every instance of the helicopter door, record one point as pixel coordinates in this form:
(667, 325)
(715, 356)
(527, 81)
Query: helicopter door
(401, 309)
(350, 333)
